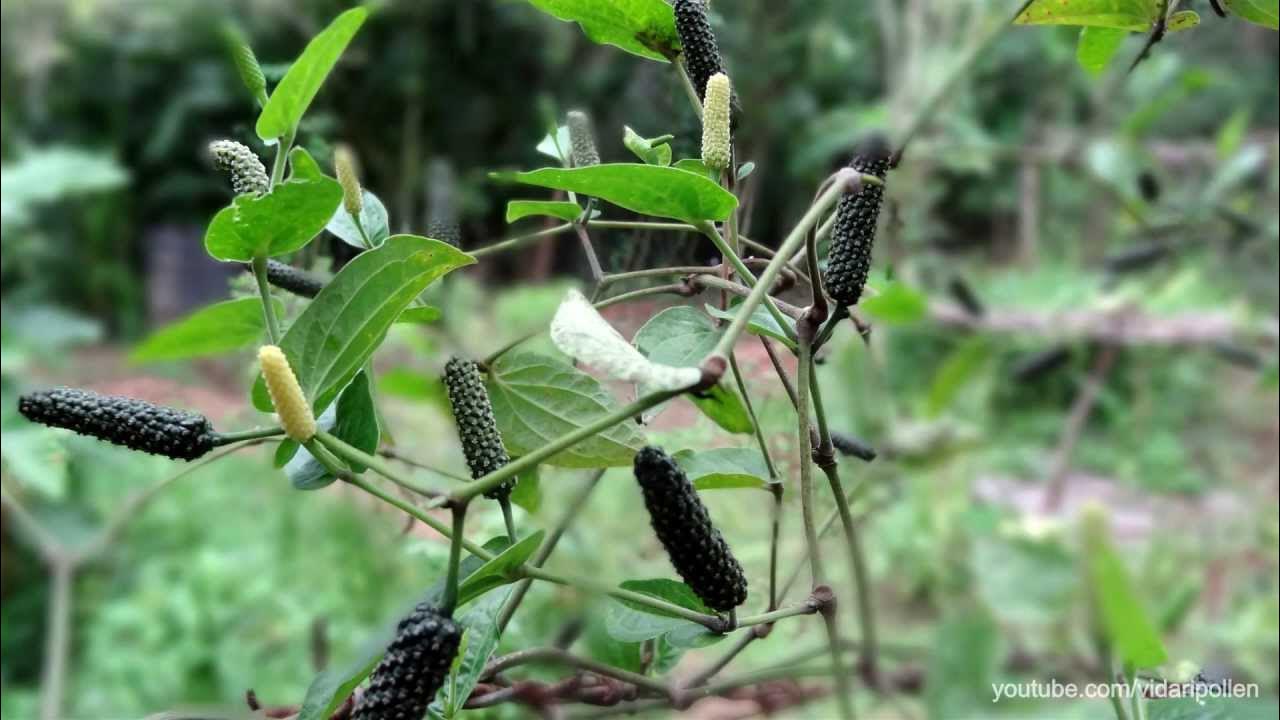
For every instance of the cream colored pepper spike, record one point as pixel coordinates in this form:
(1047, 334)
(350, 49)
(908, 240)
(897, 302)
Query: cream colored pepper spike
(715, 122)
(295, 414)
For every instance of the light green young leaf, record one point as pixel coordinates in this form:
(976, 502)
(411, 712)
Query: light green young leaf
(724, 468)
(1182, 20)
(536, 399)
(762, 323)
(1259, 12)
(896, 304)
(653, 151)
(1097, 46)
(420, 315)
(345, 323)
(563, 209)
(219, 328)
(278, 223)
(645, 189)
(958, 369)
(298, 87)
(557, 148)
(697, 167)
(1132, 15)
(498, 571)
(1125, 622)
(642, 27)
(373, 218)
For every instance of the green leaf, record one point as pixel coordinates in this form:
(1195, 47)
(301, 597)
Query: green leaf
(762, 322)
(958, 369)
(628, 621)
(280, 222)
(645, 189)
(1259, 12)
(406, 383)
(1124, 621)
(219, 328)
(1211, 708)
(642, 27)
(352, 419)
(724, 468)
(1132, 15)
(420, 315)
(498, 571)
(653, 151)
(697, 167)
(527, 493)
(373, 218)
(1182, 20)
(299, 86)
(1232, 133)
(896, 304)
(563, 209)
(681, 337)
(964, 660)
(479, 643)
(339, 330)
(537, 398)
(1097, 46)
(745, 170)
(557, 146)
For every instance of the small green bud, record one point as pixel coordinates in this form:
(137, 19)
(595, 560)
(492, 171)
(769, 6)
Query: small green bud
(248, 174)
(716, 152)
(344, 166)
(582, 141)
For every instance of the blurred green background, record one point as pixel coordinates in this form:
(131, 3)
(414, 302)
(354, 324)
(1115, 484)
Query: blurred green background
(1124, 247)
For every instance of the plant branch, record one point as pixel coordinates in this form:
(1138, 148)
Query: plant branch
(356, 456)
(264, 292)
(450, 599)
(519, 241)
(558, 656)
(243, 435)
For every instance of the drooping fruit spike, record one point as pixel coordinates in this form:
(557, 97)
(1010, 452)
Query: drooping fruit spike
(716, 152)
(854, 234)
(477, 428)
(135, 424)
(697, 43)
(289, 278)
(696, 549)
(344, 166)
(582, 140)
(291, 404)
(248, 174)
(413, 669)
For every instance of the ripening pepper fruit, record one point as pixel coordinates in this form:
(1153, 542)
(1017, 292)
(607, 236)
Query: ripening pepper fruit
(582, 140)
(445, 231)
(135, 424)
(716, 152)
(696, 548)
(248, 174)
(289, 278)
(854, 233)
(413, 669)
(344, 166)
(291, 404)
(697, 43)
(477, 428)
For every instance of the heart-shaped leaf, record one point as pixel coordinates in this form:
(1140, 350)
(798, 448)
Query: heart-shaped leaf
(280, 222)
(373, 219)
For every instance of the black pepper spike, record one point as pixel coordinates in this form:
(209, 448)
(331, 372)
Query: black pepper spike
(414, 668)
(135, 424)
(477, 428)
(291, 279)
(697, 43)
(445, 231)
(696, 549)
(854, 233)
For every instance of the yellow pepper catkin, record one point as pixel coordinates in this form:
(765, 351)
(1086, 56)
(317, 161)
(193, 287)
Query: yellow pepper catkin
(715, 123)
(291, 405)
(344, 166)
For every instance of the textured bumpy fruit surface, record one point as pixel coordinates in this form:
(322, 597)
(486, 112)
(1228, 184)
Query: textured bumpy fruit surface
(698, 43)
(291, 404)
(696, 548)
(248, 174)
(124, 421)
(716, 135)
(445, 231)
(290, 278)
(477, 427)
(413, 670)
(582, 140)
(854, 233)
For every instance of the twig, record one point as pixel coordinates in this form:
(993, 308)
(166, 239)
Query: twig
(1055, 485)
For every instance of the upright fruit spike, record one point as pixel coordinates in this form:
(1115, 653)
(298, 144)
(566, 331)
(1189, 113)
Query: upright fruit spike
(413, 669)
(716, 153)
(344, 166)
(248, 174)
(582, 141)
(289, 278)
(854, 234)
(245, 61)
(696, 548)
(135, 424)
(286, 394)
(698, 43)
(477, 428)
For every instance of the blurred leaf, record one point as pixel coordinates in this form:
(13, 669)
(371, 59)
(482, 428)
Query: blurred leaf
(246, 63)
(745, 170)
(50, 173)
(290, 99)
(536, 399)
(697, 167)
(373, 218)
(653, 151)
(498, 571)
(406, 383)
(896, 304)
(1097, 46)
(36, 457)
(556, 147)
(642, 27)
(956, 371)
(563, 209)
(527, 493)
(724, 468)
(645, 189)
(1024, 581)
(219, 328)
(340, 329)
(1133, 15)
(965, 653)
(1211, 708)
(762, 322)
(627, 621)
(1182, 20)
(1259, 12)
(354, 420)
(419, 315)
(1124, 621)
(1232, 133)
(280, 222)
(1233, 172)
(681, 337)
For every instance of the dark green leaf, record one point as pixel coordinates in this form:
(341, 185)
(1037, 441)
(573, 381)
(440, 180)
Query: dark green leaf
(537, 398)
(643, 27)
(299, 86)
(563, 209)
(1124, 620)
(646, 189)
(280, 222)
(498, 571)
(479, 643)
(724, 468)
(629, 621)
(220, 328)
(373, 218)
